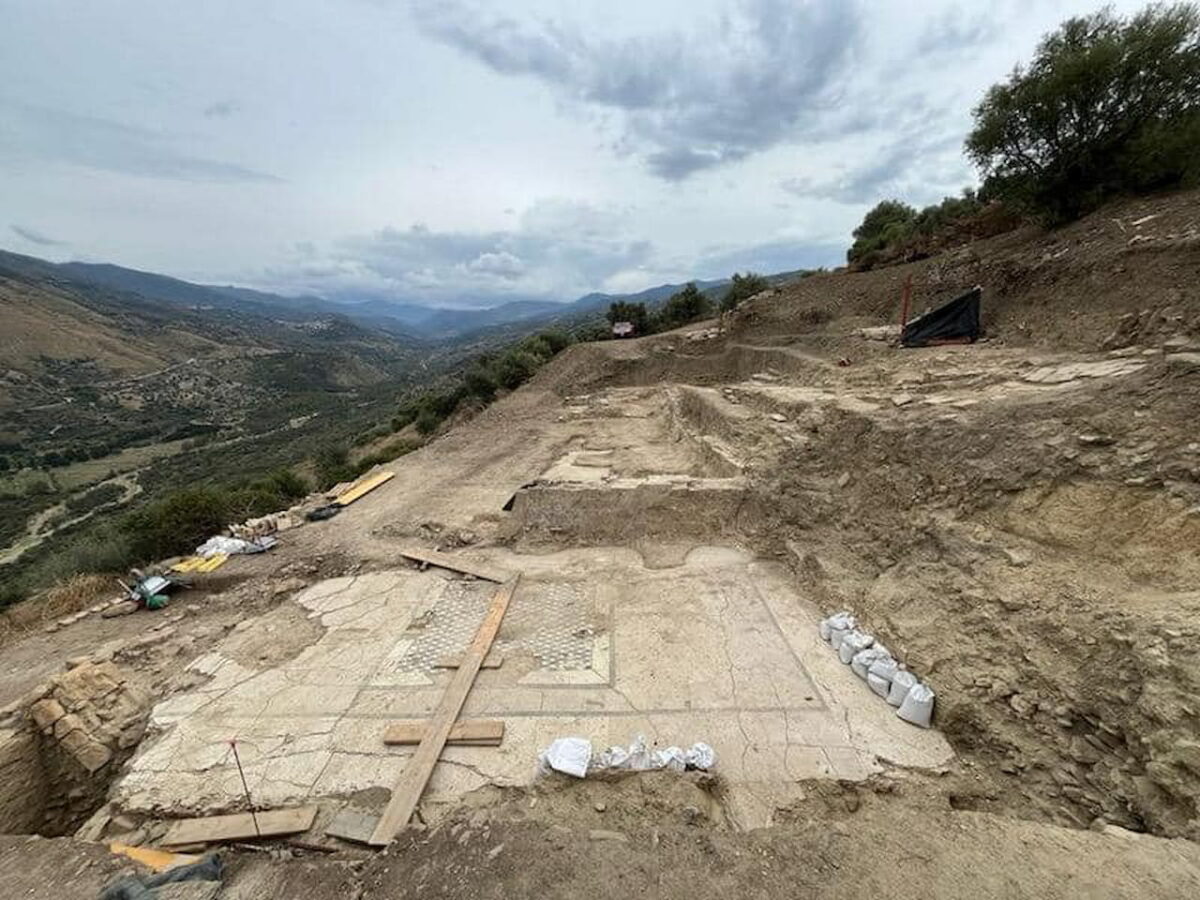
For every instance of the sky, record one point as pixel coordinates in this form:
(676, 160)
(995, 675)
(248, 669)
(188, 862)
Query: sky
(465, 154)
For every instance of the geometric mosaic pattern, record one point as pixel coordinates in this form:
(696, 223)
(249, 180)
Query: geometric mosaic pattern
(549, 621)
(553, 622)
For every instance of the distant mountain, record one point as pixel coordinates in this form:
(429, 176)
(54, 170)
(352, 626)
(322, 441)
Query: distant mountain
(405, 320)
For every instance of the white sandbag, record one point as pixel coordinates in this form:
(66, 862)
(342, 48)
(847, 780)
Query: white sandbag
(917, 707)
(840, 624)
(880, 675)
(878, 684)
(823, 629)
(637, 757)
(862, 661)
(701, 756)
(853, 643)
(568, 755)
(902, 682)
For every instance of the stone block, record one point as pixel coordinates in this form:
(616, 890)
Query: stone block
(87, 752)
(46, 712)
(68, 724)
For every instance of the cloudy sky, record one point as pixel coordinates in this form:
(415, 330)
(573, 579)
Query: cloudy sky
(462, 153)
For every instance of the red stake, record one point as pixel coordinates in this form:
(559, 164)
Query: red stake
(250, 803)
(906, 298)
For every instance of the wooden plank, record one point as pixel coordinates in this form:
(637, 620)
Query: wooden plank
(240, 826)
(456, 564)
(407, 792)
(158, 860)
(472, 732)
(352, 824)
(452, 660)
(363, 487)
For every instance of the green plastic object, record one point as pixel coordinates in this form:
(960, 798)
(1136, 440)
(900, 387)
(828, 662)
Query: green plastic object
(156, 601)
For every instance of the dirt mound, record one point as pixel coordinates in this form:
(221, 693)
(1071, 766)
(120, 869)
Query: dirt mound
(1065, 289)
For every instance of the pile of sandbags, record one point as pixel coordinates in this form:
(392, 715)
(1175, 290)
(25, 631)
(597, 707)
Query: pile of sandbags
(873, 663)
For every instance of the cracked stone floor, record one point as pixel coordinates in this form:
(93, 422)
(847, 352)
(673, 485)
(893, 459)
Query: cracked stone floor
(718, 649)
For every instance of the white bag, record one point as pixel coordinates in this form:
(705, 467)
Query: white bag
(568, 755)
(917, 707)
(902, 682)
(878, 684)
(840, 624)
(862, 661)
(880, 675)
(853, 643)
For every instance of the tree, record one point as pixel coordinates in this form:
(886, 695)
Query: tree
(887, 223)
(624, 311)
(742, 287)
(1107, 105)
(685, 305)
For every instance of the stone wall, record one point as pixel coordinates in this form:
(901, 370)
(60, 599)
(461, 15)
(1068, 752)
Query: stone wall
(75, 733)
(22, 781)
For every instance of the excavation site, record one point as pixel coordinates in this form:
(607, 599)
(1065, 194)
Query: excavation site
(765, 606)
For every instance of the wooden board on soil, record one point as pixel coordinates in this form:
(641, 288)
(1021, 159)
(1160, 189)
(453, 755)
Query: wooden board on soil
(240, 826)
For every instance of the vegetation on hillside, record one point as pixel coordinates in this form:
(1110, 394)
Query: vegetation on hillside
(743, 287)
(686, 305)
(1108, 106)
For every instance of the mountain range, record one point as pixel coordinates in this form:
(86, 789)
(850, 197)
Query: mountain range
(401, 319)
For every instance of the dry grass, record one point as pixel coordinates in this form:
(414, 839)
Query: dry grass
(64, 598)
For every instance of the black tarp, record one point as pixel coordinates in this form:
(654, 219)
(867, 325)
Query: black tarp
(957, 320)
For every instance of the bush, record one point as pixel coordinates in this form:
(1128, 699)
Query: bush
(480, 382)
(333, 465)
(742, 287)
(557, 340)
(427, 422)
(1107, 106)
(516, 367)
(178, 523)
(683, 306)
(635, 313)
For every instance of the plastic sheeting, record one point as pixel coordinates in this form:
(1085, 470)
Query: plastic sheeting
(231, 546)
(133, 888)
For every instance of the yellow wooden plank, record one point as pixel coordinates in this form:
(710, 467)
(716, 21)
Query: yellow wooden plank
(364, 487)
(158, 860)
(212, 563)
(187, 565)
(407, 792)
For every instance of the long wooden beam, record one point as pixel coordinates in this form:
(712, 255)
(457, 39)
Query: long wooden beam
(407, 792)
(456, 564)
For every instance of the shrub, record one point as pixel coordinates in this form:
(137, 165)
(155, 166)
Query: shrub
(683, 306)
(623, 311)
(427, 422)
(515, 367)
(177, 523)
(1108, 105)
(480, 382)
(557, 339)
(742, 287)
(333, 465)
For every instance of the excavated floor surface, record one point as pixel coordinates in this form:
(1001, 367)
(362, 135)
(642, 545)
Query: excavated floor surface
(719, 649)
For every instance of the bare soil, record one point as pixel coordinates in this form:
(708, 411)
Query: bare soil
(1018, 519)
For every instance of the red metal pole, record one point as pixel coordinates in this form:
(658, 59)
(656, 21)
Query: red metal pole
(906, 298)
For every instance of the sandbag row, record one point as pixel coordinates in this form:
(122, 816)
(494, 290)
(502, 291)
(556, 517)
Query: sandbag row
(883, 674)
